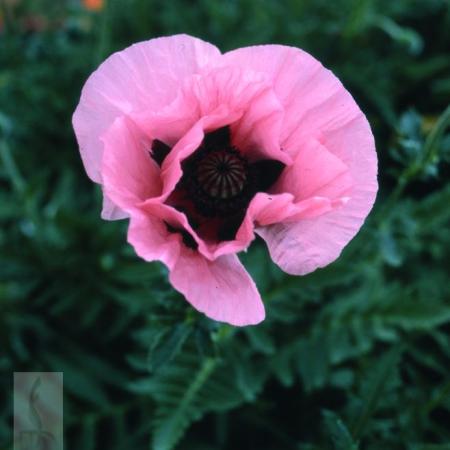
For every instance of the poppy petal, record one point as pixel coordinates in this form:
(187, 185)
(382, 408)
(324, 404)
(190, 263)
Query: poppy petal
(317, 107)
(221, 289)
(130, 176)
(144, 76)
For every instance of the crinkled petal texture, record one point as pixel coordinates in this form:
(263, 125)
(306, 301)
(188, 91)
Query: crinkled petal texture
(145, 76)
(281, 104)
(222, 289)
(326, 133)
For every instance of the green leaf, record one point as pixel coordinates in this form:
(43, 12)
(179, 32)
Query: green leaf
(338, 432)
(430, 447)
(191, 386)
(173, 419)
(373, 389)
(423, 314)
(403, 35)
(167, 345)
(79, 383)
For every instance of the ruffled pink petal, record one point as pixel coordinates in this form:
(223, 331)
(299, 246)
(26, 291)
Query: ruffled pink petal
(316, 183)
(221, 289)
(302, 247)
(178, 220)
(257, 132)
(312, 97)
(315, 172)
(258, 113)
(145, 76)
(129, 174)
(152, 241)
(267, 209)
(170, 216)
(316, 107)
(215, 99)
(110, 211)
(329, 184)
(299, 248)
(171, 168)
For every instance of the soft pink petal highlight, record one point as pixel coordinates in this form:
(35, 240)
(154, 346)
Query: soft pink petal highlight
(312, 97)
(145, 76)
(129, 174)
(267, 209)
(221, 289)
(302, 247)
(152, 241)
(110, 211)
(315, 172)
(257, 133)
(317, 107)
(258, 113)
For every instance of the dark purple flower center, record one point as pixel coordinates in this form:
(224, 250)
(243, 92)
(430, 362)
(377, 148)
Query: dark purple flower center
(222, 174)
(218, 181)
(217, 185)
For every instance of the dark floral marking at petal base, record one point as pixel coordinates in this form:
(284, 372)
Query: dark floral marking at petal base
(159, 151)
(218, 184)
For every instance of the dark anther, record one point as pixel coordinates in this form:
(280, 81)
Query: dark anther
(229, 227)
(188, 240)
(217, 139)
(192, 222)
(159, 151)
(265, 173)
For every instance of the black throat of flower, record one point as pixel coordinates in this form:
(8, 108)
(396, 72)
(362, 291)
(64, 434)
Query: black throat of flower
(218, 183)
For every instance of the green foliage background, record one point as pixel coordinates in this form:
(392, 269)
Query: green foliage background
(354, 356)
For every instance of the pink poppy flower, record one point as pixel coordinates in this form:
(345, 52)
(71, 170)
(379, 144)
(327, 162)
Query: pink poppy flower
(201, 150)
